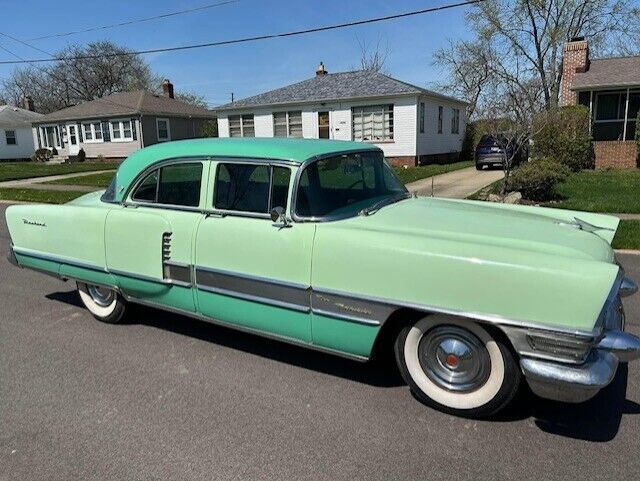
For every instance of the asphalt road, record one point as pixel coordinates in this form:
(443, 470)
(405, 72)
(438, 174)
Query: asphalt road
(169, 398)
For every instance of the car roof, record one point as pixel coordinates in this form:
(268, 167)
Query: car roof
(292, 150)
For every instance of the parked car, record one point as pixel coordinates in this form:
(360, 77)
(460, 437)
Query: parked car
(493, 151)
(317, 243)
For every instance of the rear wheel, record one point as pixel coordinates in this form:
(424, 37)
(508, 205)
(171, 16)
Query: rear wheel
(103, 303)
(456, 366)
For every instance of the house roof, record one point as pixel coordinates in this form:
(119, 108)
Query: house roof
(128, 103)
(335, 86)
(293, 150)
(16, 117)
(609, 72)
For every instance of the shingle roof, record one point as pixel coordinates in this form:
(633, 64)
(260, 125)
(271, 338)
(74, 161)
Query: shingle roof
(128, 103)
(609, 72)
(336, 86)
(16, 117)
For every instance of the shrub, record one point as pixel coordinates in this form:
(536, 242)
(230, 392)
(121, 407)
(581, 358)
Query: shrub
(54, 151)
(536, 180)
(563, 134)
(638, 135)
(42, 155)
(82, 156)
(100, 158)
(209, 129)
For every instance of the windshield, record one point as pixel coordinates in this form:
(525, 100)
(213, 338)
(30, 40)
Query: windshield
(346, 184)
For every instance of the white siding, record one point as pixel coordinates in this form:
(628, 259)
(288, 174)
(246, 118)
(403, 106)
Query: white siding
(24, 144)
(431, 142)
(404, 118)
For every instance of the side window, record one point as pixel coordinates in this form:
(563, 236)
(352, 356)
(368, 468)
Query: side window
(146, 191)
(250, 188)
(243, 188)
(177, 184)
(180, 184)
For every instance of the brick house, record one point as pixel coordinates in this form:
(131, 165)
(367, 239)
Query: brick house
(610, 87)
(409, 123)
(119, 124)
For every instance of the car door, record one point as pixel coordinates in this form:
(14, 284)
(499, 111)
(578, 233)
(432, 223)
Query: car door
(149, 240)
(250, 271)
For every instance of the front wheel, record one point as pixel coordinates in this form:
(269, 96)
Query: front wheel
(456, 366)
(105, 304)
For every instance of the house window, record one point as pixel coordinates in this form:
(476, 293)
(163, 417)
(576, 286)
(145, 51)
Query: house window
(163, 130)
(609, 119)
(92, 131)
(287, 124)
(241, 126)
(10, 135)
(455, 121)
(50, 136)
(121, 130)
(440, 114)
(372, 123)
(422, 117)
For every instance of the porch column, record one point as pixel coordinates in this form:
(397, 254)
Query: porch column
(626, 114)
(590, 111)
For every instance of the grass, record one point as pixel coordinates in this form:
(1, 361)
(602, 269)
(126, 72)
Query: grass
(628, 235)
(38, 195)
(93, 180)
(411, 174)
(27, 170)
(610, 191)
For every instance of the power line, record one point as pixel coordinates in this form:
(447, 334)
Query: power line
(139, 20)
(253, 39)
(26, 44)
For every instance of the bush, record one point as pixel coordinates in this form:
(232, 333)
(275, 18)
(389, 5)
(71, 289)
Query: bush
(563, 135)
(100, 158)
(209, 129)
(54, 151)
(638, 135)
(82, 156)
(536, 180)
(42, 155)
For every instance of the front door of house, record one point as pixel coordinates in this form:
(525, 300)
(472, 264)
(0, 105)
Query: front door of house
(72, 139)
(324, 132)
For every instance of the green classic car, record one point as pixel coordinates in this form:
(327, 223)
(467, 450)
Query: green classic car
(317, 243)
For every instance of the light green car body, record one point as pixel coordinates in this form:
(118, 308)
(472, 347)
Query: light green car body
(331, 285)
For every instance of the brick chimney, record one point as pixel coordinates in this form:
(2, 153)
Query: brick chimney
(27, 103)
(321, 70)
(575, 60)
(167, 88)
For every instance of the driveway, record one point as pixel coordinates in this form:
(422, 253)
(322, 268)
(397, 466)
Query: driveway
(458, 184)
(170, 398)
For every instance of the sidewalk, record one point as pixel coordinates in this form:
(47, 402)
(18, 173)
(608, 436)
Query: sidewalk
(27, 183)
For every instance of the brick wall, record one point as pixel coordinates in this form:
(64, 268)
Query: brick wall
(575, 59)
(409, 160)
(616, 154)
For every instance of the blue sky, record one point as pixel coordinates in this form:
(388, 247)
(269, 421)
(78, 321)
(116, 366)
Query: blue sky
(249, 68)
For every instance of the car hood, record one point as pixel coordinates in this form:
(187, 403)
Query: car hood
(537, 229)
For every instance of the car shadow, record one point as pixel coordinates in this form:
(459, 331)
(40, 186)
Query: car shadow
(597, 420)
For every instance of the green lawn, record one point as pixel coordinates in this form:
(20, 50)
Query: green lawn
(411, 174)
(26, 170)
(93, 180)
(37, 195)
(612, 191)
(628, 235)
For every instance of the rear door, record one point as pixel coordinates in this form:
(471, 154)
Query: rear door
(250, 271)
(149, 241)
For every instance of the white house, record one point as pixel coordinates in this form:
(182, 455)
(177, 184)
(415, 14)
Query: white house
(16, 141)
(409, 123)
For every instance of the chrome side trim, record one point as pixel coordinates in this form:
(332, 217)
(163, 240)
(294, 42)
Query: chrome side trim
(140, 277)
(178, 273)
(345, 307)
(289, 340)
(58, 259)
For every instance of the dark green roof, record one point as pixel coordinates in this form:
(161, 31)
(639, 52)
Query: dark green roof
(294, 150)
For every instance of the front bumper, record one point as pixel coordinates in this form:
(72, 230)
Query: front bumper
(11, 256)
(578, 383)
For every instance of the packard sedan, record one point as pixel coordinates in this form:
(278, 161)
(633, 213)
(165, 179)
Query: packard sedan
(317, 243)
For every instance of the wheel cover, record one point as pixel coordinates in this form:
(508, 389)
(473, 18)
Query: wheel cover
(101, 295)
(454, 359)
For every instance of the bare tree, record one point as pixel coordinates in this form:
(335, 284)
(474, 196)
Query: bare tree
(520, 42)
(374, 57)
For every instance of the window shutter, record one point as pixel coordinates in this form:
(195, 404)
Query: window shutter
(133, 129)
(59, 132)
(80, 133)
(106, 133)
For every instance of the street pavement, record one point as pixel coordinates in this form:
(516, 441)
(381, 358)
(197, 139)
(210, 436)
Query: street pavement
(169, 398)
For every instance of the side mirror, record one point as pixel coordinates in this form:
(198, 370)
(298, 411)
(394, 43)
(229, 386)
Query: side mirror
(278, 217)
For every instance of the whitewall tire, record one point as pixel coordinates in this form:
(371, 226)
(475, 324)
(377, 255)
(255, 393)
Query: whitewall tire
(103, 303)
(457, 366)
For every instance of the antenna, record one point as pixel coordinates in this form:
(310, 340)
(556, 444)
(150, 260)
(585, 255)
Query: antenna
(432, 186)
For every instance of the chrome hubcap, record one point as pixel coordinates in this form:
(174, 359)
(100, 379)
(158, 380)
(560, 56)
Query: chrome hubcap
(454, 358)
(101, 295)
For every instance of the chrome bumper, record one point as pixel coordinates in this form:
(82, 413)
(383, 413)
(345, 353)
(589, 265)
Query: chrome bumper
(11, 256)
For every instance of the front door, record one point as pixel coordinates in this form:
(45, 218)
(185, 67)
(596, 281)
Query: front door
(72, 139)
(250, 271)
(323, 125)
